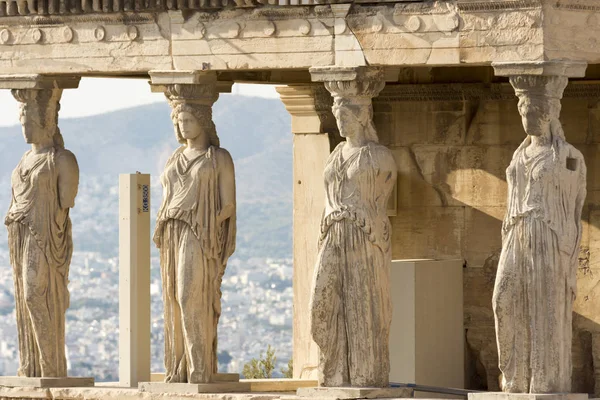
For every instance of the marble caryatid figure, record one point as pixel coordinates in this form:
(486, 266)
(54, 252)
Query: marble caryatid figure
(44, 186)
(536, 278)
(350, 305)
(195, 232)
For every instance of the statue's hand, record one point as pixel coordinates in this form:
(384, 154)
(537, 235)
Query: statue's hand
(220, 217)
(225, 213)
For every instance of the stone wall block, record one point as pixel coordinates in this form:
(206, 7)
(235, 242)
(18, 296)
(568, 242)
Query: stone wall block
(438, 166)
(594, 123)
(592, 160)
(482, 354)
(478, 284)
(575, 119)
(448, 127)
(496, 122)
(587, 303)
(481, 359)
(465, 175)
(482, 236)
(483, 175)
(427, 232)
(593, 239)
(427, 122)
(384, 123)
(531, 52)
(414, 190)
(592, 199)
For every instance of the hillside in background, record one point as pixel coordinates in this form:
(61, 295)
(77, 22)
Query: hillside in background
(257, 286)
(256, 132)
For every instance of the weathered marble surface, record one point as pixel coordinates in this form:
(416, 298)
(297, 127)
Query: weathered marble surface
(350, 305)
(440, 33)
(340, 393)
(195, 232)
(194, 388)
(112, 393)
(452, 144)
(62, 382)
(44, 186)
(527, 396)
(536, 279)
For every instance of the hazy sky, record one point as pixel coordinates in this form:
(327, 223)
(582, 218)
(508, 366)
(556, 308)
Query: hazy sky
(97, 96)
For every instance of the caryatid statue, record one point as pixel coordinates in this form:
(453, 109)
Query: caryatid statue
(350, 307)
(195, 232)
(44, 186)
(536, 279)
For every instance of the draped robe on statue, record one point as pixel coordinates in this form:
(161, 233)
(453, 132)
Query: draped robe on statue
(40, 244)
(350, 306)
(193, 253)
(536, 279)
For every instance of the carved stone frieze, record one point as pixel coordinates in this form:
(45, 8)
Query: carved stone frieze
(66, 34)
(423, 8)
(469, 91)
(581, 5)
(5, 36)
(487, 6)
(50, 20)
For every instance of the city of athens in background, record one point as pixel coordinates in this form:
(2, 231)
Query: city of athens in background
(119, 126)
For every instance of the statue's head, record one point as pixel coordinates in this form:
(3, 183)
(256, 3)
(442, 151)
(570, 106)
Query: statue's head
(192, 111)
(354, 117)
(192, 120)
(539, 102)
(38, 113)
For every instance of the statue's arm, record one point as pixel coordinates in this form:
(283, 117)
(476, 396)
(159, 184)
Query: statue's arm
(226, 186)
(68, 178)
(386, 173)
(581, 194)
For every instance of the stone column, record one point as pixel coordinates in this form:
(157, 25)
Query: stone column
(536, 279)
(350, 305)
(315, 135)
(195, 233)
(39, 232)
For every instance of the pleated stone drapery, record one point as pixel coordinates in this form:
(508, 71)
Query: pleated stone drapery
(40, 246)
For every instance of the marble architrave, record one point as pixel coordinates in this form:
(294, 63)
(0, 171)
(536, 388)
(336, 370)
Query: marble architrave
(44, 187)
(536, 279)
(350, 307)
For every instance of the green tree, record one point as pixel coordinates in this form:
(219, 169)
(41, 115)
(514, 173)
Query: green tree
(289, 371)
(261, 368)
